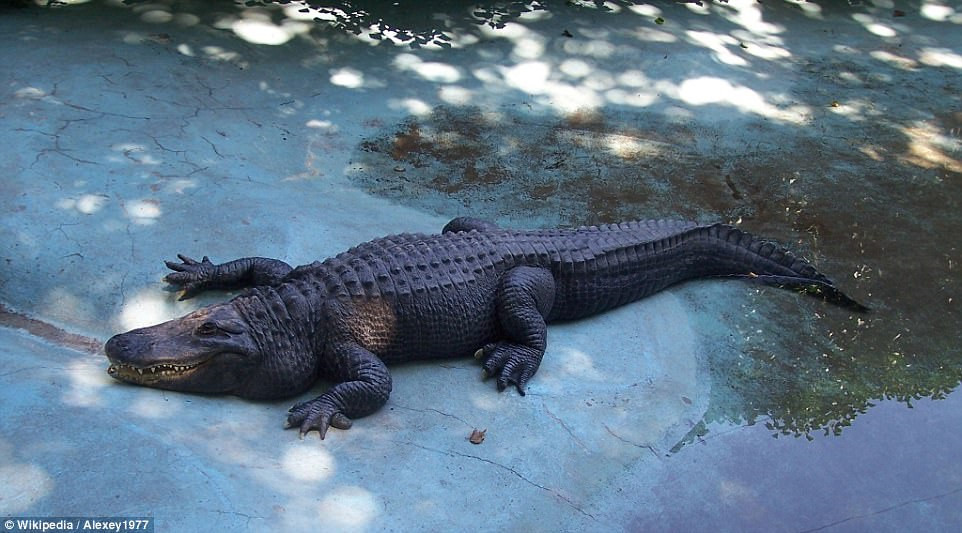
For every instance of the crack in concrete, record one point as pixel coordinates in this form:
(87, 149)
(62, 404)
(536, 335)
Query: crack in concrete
(565, 426)
(519, 475)
(442, 413)
(883, 511)
(648, 447)
(212, 146)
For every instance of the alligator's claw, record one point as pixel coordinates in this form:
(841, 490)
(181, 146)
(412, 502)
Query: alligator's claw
(514, 364)
(191, 276)
(317, 414)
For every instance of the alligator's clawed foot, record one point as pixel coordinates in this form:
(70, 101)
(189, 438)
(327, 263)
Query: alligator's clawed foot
(514, 364)
(317, 414)
(191, 276)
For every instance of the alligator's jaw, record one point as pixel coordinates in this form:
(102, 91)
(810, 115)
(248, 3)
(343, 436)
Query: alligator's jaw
(151, 375)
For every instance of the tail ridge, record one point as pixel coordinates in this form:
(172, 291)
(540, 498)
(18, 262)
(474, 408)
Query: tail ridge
(763, 261)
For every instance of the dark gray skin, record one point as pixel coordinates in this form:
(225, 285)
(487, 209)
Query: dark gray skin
(473, 289)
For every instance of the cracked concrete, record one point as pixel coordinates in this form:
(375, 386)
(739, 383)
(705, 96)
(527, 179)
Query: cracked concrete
(129, 134)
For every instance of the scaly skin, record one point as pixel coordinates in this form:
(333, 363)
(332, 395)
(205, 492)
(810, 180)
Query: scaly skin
(473, 289)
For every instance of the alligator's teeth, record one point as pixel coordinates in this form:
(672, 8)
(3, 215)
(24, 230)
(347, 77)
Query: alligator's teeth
(140, 371)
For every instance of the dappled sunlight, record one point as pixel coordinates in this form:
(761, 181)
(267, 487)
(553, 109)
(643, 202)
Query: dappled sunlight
(132, 152)
(413, 106)
(151, 405)
(428, 70)
(257, 28)
(87, 381)
(86, 204)
(929, 147)
(941, 57)
(143, 212)
(575, 362)
(940, 12)
(712, 90)
(347, 507)
(720, 45)
(308, 464)
(147, 307)
(874, 26)
(25, 484)
(348, 77)
(895, 60)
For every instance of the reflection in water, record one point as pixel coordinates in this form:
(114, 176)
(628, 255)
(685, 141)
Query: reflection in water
(870, 212)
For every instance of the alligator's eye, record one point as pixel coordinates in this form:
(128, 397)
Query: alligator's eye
(207, 329)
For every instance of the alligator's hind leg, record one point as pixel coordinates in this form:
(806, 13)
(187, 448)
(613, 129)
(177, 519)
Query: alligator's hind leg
(524, 298)
(468, 224)
(196, 277)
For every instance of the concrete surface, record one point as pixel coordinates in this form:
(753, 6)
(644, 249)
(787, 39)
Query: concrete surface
(129, 134)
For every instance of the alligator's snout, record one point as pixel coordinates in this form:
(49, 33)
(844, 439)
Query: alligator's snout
(125, 347)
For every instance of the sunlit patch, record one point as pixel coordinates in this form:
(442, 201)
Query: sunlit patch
(133, 152)
(351, 507)
(89, 204)
(810, 9)
(32, 93)
(940, 13)
(530, 47)
(347, 77)
(632, 98)
(645, 10)
(156, 16)
(721, 45)
(25, 485)
(86, 380)
(180, 185)
(941, 57)
(927, 148)
(143, 212)
(576, 68)
(593, 48)
(869, 23)
(146, 308)
(62, 305)
(456, 95)
(428, 70)
(655, 36)
(257, 27)
(894, 60)
(325, 125)
(154, 406)
(529, 77)
(413, 106)
(710, 90)
(577, 363)
(308, 463)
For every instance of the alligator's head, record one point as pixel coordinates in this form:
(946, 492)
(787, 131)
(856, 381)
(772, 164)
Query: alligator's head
(220, 349)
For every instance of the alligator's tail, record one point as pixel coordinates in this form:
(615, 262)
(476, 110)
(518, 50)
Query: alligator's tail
(736, 253)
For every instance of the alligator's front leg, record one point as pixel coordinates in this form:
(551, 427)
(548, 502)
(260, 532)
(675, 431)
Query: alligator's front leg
(524, 298)
(364, 386)
(196, 277)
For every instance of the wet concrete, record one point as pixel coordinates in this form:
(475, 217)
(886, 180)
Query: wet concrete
(132, 133)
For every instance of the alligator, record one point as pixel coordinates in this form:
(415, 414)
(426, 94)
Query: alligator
(475, 288)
